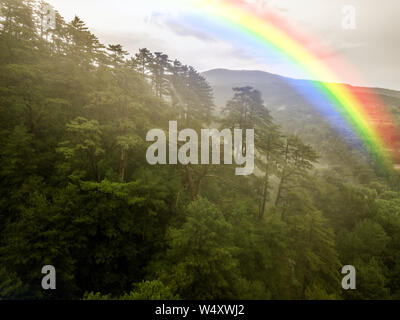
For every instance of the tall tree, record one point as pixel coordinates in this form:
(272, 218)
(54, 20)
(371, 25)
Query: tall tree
(117, 54)
(143, 61)
(268, 140)
(160, 68)
(297, 159)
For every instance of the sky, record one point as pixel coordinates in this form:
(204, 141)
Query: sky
(371, 50)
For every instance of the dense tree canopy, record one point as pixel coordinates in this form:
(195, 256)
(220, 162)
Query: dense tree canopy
(77, 192)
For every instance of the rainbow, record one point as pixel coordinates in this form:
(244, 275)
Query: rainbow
(364, 113)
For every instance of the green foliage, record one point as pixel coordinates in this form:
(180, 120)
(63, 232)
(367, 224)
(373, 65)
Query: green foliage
(145, 290)
(201, 255)
(368, 239)
(371, 281)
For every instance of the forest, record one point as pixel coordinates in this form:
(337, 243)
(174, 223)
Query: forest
(76, 191)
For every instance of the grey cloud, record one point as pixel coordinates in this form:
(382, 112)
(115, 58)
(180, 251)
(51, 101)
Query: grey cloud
(187, 31)
(162, 20)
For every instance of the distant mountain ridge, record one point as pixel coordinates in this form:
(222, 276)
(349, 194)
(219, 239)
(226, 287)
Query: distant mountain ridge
(224, 78)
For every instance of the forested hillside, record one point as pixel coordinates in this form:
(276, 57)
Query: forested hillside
(77, 192)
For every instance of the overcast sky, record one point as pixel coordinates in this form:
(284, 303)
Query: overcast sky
(372, 49)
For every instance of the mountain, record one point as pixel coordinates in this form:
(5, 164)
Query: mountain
(285, 99)
(275, 88)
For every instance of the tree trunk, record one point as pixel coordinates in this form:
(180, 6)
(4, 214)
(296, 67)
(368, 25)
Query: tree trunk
(122, 164)
(279, 193)
(195, 185)
(264, 196)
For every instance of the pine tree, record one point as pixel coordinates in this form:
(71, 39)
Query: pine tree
(143, 61)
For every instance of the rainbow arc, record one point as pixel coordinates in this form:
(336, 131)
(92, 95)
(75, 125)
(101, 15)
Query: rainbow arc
(364, 113)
